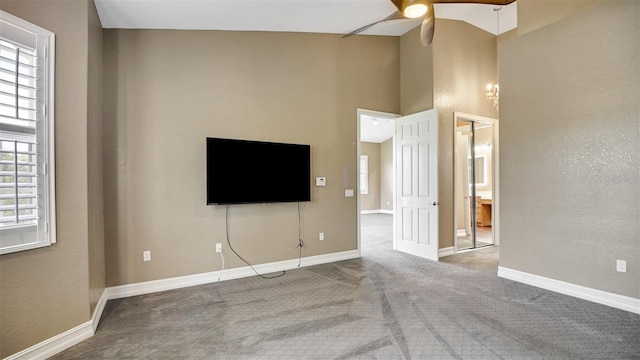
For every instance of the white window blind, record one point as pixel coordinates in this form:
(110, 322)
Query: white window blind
(364, 174)
(18, 87)
(27, 201)
(19, 184)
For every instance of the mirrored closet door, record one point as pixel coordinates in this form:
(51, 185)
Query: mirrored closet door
(474, 184)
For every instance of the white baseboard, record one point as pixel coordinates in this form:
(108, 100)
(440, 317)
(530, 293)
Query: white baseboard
(55, 344)
(97, 312)
(148, 287)
(598, 296)
(446, 251)
(69, 338)
(377, 211)
(461, 232)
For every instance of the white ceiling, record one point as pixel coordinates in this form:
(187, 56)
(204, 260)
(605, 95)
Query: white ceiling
(376, 130)
(316, 16)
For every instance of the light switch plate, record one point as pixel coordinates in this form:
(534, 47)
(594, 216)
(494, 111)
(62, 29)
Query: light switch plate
(348, 193)
(321, 181)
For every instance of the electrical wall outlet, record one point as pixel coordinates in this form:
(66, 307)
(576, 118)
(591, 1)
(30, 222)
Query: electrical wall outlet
(218, 247)
(621, 266)
(321, 236)
(146, 255)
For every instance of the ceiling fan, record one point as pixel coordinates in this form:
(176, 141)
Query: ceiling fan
(413, 9)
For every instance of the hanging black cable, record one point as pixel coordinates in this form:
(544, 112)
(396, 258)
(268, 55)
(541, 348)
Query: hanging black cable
(300, 242)
(238, 255)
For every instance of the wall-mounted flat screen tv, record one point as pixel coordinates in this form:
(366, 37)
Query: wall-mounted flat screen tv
(243, 172)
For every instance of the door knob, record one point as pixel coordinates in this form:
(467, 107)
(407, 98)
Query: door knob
(435, 203)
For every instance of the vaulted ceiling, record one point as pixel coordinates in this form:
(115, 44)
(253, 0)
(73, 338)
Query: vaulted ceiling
(317, 16)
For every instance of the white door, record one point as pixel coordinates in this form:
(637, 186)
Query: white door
(417, 184)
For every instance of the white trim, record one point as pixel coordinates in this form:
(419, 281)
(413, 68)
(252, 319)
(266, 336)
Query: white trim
(97, 312)
(42, 41)
(376, 211)
(363, 174)
(598, 296)
(56, 344)
(365, 212)
(51, 138)
(69, 338)
(65, 340)
(448, 251)
(148, 287)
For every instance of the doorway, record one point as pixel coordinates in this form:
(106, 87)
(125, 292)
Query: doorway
(410, 195)
(376, 179)
(475, 194)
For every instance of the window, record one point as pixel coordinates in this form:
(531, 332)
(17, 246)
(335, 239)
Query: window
(364, 174)
(27, 199)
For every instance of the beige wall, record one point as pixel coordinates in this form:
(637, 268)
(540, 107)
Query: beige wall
(165, 91)
(45, 291)
(569, 127)
(258, 86)
(464, 61)
(416, 74)
(534, 14)
(94, 159)
(387, 174)
(371, 201)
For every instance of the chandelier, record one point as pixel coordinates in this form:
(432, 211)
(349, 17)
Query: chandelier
(493, 94)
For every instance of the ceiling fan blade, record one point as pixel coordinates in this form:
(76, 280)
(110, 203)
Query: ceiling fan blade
(428, 27)
(395, 16)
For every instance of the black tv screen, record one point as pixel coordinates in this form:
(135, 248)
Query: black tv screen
(243, 171)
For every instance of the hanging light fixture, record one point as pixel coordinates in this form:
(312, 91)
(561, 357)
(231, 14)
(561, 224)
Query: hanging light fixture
(493, 90)
(414, 8)
(493, 94)
(411, 8)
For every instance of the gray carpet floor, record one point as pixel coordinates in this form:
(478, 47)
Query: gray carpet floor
(386, 305)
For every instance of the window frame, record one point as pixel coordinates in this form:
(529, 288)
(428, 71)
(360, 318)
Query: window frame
(21, 32)
(364, 174)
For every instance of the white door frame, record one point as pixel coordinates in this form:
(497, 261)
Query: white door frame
(495, 207)
(382, 115)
